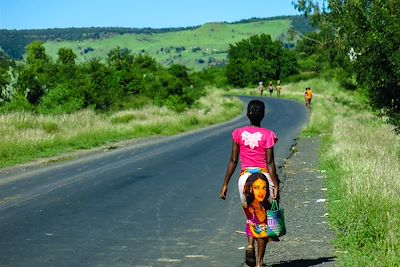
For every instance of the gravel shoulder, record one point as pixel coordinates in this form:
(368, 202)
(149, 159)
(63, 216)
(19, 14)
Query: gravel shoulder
(308, 241)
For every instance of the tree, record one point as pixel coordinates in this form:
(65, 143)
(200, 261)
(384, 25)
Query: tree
(258, 58)
(5, 73)
(309, 44)
(363, 37)
(120, 58)
(66, 56)
(180, 72)
(36, 53)
(36, 75)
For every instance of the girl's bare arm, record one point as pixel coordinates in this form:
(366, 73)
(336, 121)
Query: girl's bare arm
(232, 163)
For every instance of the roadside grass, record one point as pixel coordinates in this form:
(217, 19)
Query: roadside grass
(359, 156)
(27, 136)
(363, 171)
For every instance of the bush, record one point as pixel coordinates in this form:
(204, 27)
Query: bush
(18, 103)
(175, 103)
(215, 76)
(59, 100)
(308, 63)
(125, 81)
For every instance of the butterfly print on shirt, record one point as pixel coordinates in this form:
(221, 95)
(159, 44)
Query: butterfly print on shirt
(251, 139)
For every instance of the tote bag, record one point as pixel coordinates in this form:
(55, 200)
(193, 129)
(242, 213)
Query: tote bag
(275, 221)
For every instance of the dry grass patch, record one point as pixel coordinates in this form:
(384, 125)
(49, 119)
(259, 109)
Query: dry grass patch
(26, 136)
(367, 150)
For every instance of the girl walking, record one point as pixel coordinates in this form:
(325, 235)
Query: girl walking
(254, 146)
(270, 88)
(260, 88)
(278, 88)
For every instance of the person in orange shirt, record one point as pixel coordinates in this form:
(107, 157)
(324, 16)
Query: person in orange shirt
(307, 97)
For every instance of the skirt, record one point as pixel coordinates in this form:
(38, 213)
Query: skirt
(243, 178)
(242, 181)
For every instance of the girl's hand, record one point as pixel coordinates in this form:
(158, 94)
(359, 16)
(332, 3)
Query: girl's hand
(222, 194)
(275, 195)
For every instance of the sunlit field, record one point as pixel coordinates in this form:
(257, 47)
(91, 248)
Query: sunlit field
(196, 48)
(27, 136)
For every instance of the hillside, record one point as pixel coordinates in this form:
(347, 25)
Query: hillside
(196, 48)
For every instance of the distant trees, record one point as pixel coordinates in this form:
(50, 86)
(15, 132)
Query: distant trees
(14, 41)
(64, 86)
(258, 58)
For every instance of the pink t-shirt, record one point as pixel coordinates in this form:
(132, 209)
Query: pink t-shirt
(253, 141)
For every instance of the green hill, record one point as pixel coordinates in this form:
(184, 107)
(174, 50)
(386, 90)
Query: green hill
(196, 48)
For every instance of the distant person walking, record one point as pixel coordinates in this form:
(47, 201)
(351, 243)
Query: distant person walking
(260, 88)
(254, 146)
(270, 88)
(307, 97)
(278, 88)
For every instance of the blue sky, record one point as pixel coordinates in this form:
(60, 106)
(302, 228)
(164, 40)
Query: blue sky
(42, 14)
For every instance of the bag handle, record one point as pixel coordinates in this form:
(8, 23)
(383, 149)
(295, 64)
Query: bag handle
(275, 205)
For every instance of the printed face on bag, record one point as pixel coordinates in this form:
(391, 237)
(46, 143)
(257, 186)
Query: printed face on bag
(259, 188)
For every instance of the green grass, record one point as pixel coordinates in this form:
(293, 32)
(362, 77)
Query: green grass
(366, 171)
(209, 43)
(27, 136)
(358, 155)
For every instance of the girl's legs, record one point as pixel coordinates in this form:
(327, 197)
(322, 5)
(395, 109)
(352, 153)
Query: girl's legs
(261, 244)
(250, 252)
(250, 242)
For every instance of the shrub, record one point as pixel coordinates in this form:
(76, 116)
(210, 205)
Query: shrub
(18, 103)
(59, 100)
(175, 103)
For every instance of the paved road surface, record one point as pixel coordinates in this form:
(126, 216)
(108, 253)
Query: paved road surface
(154, 204)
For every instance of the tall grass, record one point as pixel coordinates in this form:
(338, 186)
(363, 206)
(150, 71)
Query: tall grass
(27, 136)
(360, 159)
(366, 171)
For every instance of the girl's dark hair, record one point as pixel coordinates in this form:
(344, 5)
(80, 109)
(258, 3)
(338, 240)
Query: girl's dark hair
(255, 111)
(247, 187)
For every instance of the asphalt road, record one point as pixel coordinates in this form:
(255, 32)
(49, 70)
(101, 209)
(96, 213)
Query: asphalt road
(151, 204)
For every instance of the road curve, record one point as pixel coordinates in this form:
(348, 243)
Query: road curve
(154, 204)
